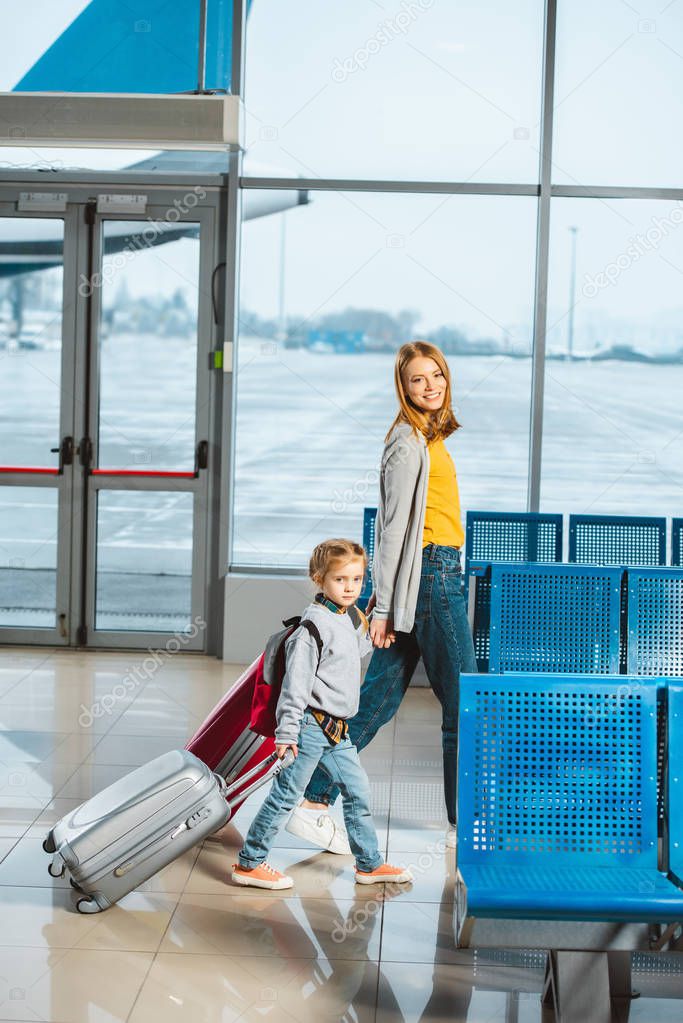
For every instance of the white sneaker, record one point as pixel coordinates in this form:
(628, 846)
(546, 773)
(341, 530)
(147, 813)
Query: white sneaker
(451, 836)
(320, 829)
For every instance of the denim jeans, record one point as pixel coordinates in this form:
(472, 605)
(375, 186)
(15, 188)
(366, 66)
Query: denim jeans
(441, 635)
(340, 765)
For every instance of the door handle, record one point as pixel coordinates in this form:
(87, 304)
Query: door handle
(66, 452)
(202, 456)
(84, 452)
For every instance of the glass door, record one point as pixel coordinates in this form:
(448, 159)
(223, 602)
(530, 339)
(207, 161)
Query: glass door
(146, 447)
(106, 390)
(37, 318)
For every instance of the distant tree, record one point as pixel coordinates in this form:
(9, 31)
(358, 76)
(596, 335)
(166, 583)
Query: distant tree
(252, 325)
(375, 323)
(450, 340)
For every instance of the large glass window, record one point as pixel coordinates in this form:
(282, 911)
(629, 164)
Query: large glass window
(406, 90)
(144, 584)
(28, 557)
(30, 340)
(614, 371)
(618, 93)
(329, 292)
(148, 347)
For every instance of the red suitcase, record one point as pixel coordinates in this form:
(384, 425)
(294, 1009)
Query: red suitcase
(226, 745)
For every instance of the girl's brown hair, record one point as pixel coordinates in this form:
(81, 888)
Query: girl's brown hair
(330, 551)
(432, 425)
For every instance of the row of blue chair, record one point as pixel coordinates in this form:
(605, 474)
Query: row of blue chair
(581, 618)
(558, 797)
(593, 539)
(538, 537)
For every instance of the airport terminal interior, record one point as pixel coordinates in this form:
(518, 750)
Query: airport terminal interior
(220, 220)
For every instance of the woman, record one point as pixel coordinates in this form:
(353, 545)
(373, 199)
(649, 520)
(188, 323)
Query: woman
(418, 601)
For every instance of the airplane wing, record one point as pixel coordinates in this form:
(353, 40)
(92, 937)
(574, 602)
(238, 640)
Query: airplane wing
(38, 246)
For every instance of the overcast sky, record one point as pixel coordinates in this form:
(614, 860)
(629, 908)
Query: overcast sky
(431, 89)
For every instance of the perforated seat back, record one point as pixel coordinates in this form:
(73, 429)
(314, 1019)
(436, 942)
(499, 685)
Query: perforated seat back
(655, 621)
(557, 618)
(617, 540)
(513, 536)
(369, 518)
(675, 779)
(505, 536)
(677, 541)
(557, 771)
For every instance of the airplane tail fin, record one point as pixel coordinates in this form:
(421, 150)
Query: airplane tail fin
(138, 46)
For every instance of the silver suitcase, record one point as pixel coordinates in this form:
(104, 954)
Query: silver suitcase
(118, 839)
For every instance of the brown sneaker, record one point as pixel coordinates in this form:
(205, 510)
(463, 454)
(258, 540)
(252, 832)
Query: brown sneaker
(263, 876)
(385, 872)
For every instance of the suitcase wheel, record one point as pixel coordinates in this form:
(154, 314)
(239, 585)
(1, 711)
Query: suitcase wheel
(56, 869)
(74, 884)
(49, 843)
(87, 906)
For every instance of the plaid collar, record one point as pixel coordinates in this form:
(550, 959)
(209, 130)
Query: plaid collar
(337, 609)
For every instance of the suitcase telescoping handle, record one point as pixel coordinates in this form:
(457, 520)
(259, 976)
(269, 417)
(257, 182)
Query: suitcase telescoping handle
(274, 765)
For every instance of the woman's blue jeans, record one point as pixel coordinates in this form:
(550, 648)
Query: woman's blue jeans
(441, 635)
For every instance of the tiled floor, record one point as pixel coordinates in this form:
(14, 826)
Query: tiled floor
(189, 946)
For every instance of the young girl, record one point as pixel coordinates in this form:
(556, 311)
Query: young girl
(418, 600)
(320, 690)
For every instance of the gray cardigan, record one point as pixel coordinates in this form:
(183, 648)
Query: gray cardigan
(397, 562)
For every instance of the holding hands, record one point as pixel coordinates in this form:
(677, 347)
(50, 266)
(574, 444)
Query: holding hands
(381, 630)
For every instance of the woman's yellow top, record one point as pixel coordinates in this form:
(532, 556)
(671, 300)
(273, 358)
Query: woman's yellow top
(442, 515)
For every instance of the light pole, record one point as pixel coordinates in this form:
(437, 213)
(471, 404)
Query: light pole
(282, 315)
(572, 296)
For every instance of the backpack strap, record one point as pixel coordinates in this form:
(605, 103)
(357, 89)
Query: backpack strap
(310, 627)
(312, 630)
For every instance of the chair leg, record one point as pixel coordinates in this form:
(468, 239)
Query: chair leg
(660, 939)
(465, 935)
(577, 987)
(463, 922)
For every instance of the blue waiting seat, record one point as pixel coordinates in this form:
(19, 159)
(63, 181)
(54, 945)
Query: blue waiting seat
(555, 618)
(675, 780)
(655, 621)
(617, 540)
(677, 541)
(369, 518)
(557, 801)
(502, 536)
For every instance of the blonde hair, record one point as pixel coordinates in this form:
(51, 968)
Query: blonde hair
(432, 425)
(329, 552)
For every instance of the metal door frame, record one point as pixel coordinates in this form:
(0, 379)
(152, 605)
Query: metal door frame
(80, 319)
(142, 481)
(59, 480)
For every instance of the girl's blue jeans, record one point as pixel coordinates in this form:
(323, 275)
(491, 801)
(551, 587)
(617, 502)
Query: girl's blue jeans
(441, 635)
(341, 766)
